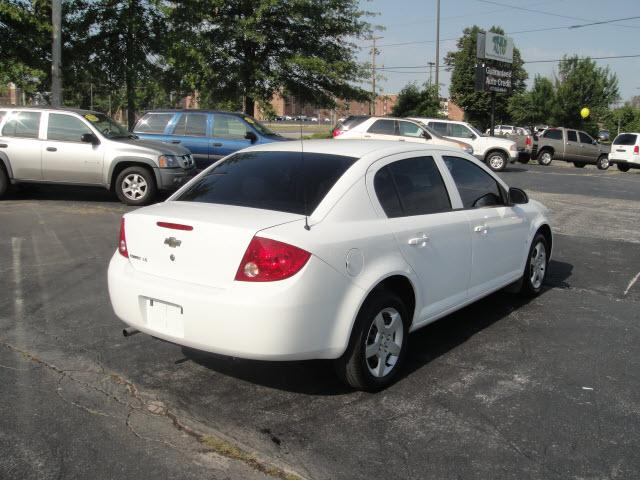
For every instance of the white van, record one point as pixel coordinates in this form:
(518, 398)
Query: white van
(625, 151)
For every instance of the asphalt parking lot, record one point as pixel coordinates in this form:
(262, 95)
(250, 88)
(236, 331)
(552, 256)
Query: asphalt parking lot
(504, 389)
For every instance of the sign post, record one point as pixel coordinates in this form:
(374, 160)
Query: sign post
(494, 67)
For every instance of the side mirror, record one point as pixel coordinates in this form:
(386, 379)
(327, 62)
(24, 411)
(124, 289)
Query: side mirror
(426, 135)
(473, 136)
(251, 136)
(90, 138)
(517, 196)
(595, 142)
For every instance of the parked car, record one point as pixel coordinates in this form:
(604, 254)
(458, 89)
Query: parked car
(335, 253)
(81, 147)
(501, 130)
(209, 135)
(571, 146)
(497, 153)
(603, 136)
(364, 127)
(625, 151)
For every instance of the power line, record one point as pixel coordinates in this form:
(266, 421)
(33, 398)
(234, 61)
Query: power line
(592, 58)
(603, 22)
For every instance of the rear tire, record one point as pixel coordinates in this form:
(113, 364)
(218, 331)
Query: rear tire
(4, 182)
(497, 161)
(535, 269)
(622, 167)
(378, 344)
(603, 162)
(545, 157)
(579, 164)
(136, 186)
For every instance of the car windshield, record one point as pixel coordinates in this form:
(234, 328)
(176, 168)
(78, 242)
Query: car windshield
(258, 126)
(280, 181)
(107, 127)
(474, 130)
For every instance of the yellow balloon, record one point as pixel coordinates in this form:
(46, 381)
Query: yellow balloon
(584, 113)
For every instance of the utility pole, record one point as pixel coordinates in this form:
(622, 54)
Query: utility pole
(431, 64)
(438, 48)
(374, 52)
(56, 53)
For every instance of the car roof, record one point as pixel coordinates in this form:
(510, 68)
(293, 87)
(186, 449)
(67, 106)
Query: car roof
(349, 148)
(49, 108)
(429, 119)
(194, 110)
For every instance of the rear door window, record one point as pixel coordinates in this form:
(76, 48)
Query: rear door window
(191, 125)
(383, 127)
(622, 139)
(476, 187)
(572, 136)
(281, 181)
(419, 188)
(153, 123)
(22, 125)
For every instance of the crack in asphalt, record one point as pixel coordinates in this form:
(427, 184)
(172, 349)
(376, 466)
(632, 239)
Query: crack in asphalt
(137, 404)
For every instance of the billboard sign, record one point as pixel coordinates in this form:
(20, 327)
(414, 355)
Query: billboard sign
(493, 79)
(495, 47)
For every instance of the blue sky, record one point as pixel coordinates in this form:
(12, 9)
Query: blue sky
(414, 21)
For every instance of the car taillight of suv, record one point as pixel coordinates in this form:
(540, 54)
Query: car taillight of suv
(347, 124)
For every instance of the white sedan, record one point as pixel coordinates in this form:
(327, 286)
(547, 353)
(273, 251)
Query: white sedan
(337, 252)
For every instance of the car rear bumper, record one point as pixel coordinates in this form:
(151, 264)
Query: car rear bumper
(293, 319)
(625, 161)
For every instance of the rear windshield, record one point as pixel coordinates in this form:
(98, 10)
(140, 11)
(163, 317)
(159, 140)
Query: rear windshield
(351, 121)
(625, 139)
(280, 181)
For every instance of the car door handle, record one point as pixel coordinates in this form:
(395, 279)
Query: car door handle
(217, 144)
(482, 229)
(401, 140)
(3, 145)
(52, 149)
(367, 136)
(420, 241)
(176, 141)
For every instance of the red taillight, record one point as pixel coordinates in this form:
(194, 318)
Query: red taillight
(636, 150)
(175, 226)
(336, 132)
(528, 140)
(122, 243)
(269, 260)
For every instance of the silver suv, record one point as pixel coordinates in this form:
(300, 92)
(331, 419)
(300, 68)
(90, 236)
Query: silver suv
(80, 147)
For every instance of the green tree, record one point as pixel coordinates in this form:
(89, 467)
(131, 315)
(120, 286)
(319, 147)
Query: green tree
(245, 50)
(534, 106)
(418, 103)
(477, 105)
(25, 35)
(581, 83)
(627, 118)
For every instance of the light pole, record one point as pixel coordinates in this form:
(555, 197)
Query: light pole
(56, 53)
(438, 48)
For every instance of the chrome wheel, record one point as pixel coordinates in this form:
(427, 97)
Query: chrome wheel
(603, 163)
(496, 162)
(384, 342)
(134, 186)
(545, 158)
(538, 265)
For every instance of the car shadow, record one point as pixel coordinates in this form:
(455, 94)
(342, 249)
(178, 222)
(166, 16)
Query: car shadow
(515, 169)
(317, 377)
(66, 193)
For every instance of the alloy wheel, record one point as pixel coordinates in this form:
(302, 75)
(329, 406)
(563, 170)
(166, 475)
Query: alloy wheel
(384, 342)
(538, 265)
(134, 186)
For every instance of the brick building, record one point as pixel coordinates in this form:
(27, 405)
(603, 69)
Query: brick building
(10, 95)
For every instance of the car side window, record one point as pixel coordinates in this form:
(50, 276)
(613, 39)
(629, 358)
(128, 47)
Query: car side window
(153, 123)
(418, 185)
(477, 188)
(383, 127)
(408, 129)
(572, 136)
(191, 125)
(584, 138)
(65, 128)
(228, 126)
(440, 127)
(460, 131)
(22, 125)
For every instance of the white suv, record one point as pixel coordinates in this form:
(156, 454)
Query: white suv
(385, 128)
(625, 151)
(495, 152)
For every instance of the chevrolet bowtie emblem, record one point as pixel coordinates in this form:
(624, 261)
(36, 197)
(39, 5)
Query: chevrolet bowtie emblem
(173, 242)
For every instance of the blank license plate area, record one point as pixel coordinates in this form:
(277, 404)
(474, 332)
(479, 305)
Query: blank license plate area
(165, 317)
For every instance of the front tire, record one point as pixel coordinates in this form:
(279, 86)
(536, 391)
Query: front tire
(136, 186)
(603, 162)
(497, 161)
(535, 269)
(622, 167)
(378, 344)
(4, 182)
(545, 157)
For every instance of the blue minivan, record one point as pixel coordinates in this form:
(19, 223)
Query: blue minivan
(209, 135)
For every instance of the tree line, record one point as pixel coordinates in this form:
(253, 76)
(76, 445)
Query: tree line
(136, 54)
